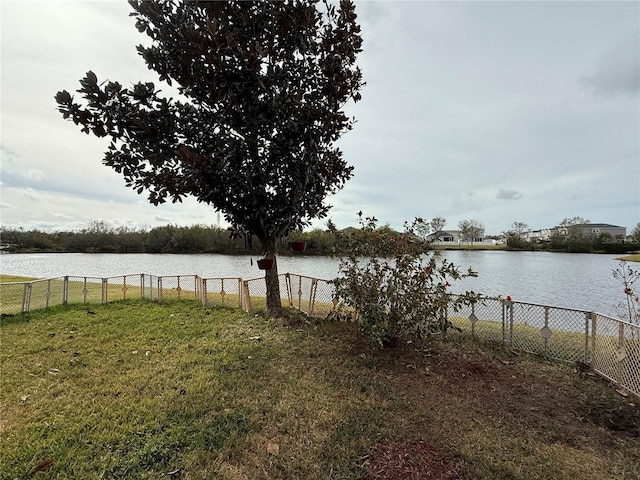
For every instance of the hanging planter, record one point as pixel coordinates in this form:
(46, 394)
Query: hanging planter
(298, 246)
(265, 263)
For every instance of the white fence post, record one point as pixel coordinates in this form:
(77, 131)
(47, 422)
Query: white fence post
(204, 291)
(312, 295)
(621, 354)
(246, 298)
(588, 316)
(104, 290)
(26, 297)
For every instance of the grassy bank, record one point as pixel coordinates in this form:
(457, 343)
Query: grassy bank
(146, 390)
(631, 258)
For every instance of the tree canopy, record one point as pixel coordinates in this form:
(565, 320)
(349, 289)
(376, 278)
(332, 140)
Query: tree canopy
(262, 87)
(470, 230)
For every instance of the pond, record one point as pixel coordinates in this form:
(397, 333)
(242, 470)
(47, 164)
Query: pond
(581, 281)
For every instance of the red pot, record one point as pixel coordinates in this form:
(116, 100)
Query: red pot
(265, 263)
(298, 246)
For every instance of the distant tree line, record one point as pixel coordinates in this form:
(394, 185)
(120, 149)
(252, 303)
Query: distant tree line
(101, 237)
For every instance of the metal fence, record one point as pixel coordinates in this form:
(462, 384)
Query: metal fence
(311, 295)
(611, 347)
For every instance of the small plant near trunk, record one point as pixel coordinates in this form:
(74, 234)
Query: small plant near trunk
(395, 283)
(629, 310)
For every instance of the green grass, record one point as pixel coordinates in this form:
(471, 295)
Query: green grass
(14, 278)
(635, 257)
(143, 390)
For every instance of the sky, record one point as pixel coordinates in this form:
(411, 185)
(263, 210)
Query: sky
(499, 112)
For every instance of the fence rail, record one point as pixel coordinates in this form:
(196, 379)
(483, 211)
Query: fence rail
(611, 347)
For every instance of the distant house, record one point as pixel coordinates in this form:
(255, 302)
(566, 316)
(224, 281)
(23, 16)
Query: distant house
(593, 229)
(597, 229)
(449, 237)
(541, 235)
(453, 237)
(349, 230)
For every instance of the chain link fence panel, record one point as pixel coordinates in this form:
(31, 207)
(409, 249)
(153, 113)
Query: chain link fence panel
(256, 293)
(178, 287)
(553, 332)
(123, 288)
(44, 293)
(85, 290)
(221, 291)
(615, 351)
(313, 296)
(12, 296)
(482, 320)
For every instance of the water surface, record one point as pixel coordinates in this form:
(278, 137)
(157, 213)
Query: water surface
(582, 281)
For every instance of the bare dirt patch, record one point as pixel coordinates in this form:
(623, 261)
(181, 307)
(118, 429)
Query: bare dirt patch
(408, 461)
(482, 412)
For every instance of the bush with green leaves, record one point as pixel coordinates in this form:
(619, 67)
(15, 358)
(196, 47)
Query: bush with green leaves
(395, 284)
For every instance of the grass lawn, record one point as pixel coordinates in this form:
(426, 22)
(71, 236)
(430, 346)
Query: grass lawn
(143, 390)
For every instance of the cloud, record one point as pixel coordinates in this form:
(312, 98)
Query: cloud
(467, 106)
(35, 174)
(504, 194)
(31, 194)
(618, 69)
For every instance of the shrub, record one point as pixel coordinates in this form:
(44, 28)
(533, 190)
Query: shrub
(629, 310)
(395, 283)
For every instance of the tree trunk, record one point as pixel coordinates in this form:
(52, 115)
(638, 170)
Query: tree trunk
(274, 303)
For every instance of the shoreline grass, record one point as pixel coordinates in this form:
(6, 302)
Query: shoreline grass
(635, 257)
(138, 390)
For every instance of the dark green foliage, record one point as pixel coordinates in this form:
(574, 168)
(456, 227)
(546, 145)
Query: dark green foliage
(515, 237)
(517, 242)
(262, 87)
(164, 239)
(394, 285)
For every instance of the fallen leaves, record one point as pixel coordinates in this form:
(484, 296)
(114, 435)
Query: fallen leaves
(408, 461)
(273, 448)
(43, 466)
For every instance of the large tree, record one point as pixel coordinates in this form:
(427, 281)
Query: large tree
(516, 235)
(470, 230)
(262, 87)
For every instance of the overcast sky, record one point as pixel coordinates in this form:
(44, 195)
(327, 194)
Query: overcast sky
(492, 111)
